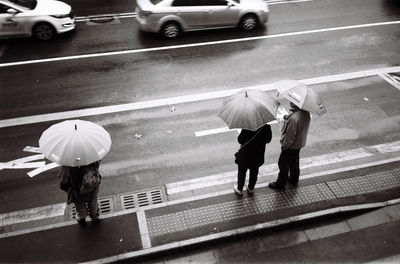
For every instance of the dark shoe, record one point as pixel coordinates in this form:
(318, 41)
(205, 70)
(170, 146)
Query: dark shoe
(82, 222)
(274, 185)
(293, 183)
(95, 221)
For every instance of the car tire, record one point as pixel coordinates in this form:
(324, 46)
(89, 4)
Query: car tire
(43, 31)
(170, 30)
(249, 22)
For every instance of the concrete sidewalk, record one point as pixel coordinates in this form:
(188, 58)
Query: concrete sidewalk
(172, 225)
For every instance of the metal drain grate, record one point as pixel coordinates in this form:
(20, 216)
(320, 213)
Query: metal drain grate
(105, 205)
(141, 199)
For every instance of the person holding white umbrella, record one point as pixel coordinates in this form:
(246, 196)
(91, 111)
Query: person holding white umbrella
(293, 138)
(78, 146)
(250, 110)
(303, 100)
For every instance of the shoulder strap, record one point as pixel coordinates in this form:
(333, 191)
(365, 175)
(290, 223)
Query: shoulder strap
(242, 146)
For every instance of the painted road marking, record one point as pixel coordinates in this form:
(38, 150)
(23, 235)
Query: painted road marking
(124, 52)
(393, 79)
(272, 169)
(214, 131)
(32, 149)
(37, 213)
(143, 229)
(23, 163)
(43, 168)
(179, 99)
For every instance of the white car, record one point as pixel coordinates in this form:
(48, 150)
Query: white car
(42, 19)
(171, 17)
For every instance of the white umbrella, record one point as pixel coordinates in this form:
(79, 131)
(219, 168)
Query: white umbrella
(301, 95)
(75, 143)
(248, 109)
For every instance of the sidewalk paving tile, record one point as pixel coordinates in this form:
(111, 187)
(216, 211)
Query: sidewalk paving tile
(373, 218)
(393, 211)
(328, 230)
(194, 257)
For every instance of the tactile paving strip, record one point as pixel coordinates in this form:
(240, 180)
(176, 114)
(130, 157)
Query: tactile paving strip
(264, 202)
(304, 195)
(365, 184)
(215, 213)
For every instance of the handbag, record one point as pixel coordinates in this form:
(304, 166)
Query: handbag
(90, 180)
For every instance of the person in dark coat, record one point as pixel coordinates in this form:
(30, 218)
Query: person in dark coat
(251, 156)
(70, 182)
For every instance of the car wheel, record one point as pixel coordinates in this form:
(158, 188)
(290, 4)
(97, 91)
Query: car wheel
(171, 30)
(43, 31)
(249, 22)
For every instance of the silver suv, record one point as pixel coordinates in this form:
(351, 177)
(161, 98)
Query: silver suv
(171, 17)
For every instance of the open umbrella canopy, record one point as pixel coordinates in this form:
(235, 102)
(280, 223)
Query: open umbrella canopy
(248, 109)
(75, 143)
(301, 95)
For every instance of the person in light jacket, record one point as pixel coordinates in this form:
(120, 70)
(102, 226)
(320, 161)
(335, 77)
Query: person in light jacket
(293, 138)
(251, 156)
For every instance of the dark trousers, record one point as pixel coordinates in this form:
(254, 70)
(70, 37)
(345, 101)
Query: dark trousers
(289, 167)
(242, 177)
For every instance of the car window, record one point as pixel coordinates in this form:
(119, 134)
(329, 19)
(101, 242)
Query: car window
(155, 2)
(188, 3)
(30, 4)
(3, 9)
(215, 2)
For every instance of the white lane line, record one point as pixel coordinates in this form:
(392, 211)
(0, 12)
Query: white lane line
(179, 99)
(272, 169)
(387, 147)
(32, 214)
(120, 15)
(214, 131)
(143, 229)
(114, 53)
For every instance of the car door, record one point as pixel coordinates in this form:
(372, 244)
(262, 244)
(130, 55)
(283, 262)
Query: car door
(10, 23)
(220, 14)
(190, 12)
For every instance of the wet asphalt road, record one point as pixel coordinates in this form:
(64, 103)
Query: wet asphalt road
(168, 151)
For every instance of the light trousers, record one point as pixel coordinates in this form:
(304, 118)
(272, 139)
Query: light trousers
(88, 208)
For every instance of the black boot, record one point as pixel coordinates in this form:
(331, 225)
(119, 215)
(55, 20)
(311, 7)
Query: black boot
(82, 222)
